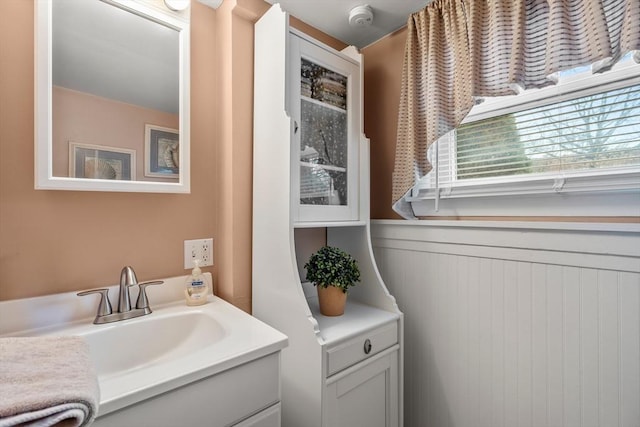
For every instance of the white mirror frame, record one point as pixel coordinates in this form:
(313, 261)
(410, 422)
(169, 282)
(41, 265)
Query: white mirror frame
(44, 179)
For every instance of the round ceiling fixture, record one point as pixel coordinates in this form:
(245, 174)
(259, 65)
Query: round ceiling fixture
(361, 16)
(177, 5)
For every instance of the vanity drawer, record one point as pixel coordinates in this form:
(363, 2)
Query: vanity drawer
(361, 347)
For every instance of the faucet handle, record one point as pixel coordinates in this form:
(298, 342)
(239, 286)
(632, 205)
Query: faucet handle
(104, 308)
(128, 276)
(142, 301)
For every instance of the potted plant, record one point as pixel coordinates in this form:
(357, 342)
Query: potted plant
(333, 272)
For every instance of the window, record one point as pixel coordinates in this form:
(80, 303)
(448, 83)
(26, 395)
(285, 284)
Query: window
(561, 150)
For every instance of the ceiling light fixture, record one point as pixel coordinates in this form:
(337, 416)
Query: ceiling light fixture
(361, 16)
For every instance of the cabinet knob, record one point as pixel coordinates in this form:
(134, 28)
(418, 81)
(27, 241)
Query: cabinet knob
(367, 346)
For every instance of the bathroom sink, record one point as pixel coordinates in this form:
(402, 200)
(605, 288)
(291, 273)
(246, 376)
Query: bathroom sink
(170, 352)
(118, 348)
(138, 359)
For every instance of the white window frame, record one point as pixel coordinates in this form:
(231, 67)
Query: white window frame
(613, 192)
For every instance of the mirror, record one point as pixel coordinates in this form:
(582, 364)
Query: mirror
(112, 96)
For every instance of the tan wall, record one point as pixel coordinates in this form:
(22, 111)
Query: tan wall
(88, 119)
(317, 34)
(234, 29)
(57, 241)
(382, 77)
(60, 241)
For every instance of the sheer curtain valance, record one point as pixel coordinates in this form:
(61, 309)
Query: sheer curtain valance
(458, 51)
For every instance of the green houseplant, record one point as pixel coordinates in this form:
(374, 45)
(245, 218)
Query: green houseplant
(333, 272)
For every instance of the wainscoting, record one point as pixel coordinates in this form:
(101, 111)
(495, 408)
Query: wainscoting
(516, 324)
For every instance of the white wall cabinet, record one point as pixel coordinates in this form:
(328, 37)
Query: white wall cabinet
(324, 89)
(311, 178)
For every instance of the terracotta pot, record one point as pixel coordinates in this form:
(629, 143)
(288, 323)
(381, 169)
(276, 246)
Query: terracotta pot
(332, 300)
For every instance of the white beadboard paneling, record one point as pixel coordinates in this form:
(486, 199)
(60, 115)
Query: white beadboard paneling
(608, 330)
(473, 400)
(629, 350)
(497, 343)
(461, 364)
(517, 327)
(485, 386)
(524, 341)
(589, 345)
(571, 345)
(555, 353)
(510, 274)
(540, 352)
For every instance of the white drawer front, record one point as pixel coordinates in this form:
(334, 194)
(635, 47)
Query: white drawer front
(361, 347)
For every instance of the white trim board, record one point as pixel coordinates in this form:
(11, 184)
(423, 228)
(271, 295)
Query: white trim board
(602, 246)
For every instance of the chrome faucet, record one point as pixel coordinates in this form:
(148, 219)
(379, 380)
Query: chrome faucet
(128, 278)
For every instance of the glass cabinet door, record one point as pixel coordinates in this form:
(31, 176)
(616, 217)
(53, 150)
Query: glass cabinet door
(325, 102)
(323, 135)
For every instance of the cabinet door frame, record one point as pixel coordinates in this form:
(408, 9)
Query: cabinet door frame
(270, 417)
(337, 386)
(300, 47)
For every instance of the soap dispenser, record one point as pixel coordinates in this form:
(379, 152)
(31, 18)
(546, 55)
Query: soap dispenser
(196, 291)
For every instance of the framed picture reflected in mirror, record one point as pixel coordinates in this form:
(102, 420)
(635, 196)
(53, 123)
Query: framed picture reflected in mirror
(162, 152)
(101, 162)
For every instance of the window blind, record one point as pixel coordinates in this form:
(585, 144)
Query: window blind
(587, 133)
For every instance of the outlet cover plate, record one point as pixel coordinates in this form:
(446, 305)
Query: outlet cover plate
(201, 249)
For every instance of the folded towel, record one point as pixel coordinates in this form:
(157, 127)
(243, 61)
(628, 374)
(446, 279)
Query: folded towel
(46, 381)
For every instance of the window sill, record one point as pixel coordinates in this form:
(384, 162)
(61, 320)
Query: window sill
(576, 196)
(510, 225)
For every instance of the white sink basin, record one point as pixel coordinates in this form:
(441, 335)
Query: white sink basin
(118, 348)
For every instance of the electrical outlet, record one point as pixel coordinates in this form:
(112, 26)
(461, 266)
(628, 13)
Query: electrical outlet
(201, 249)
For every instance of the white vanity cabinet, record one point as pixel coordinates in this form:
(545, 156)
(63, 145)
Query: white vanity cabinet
(310, 179)
(270, 417)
